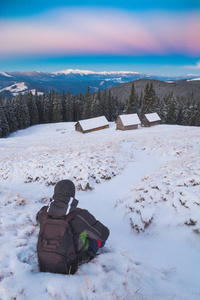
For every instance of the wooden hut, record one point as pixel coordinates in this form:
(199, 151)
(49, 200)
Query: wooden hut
(93, 124)
(127, 122)
(149, 120)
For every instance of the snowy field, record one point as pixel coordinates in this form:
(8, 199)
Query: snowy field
(142, 184)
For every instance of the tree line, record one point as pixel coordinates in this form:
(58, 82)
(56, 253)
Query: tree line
(26, 110)
(171, 109)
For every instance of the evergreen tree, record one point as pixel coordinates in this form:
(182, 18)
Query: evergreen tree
(192, 113)
(32, 107)
(96, 108)
(140, 102)
(39, 104)
(4, 123)
(69, 107)
(105, 104)
(78, 108)
(63, 99)
(132, 102)
(22, 112)
(148, 101)
(51, 100)
(87, 105)
(180, 107)
(172, 109)
(57, 109)
(112, 107)
(197, 123)
(1, 124)
(10, 115)
(46, 109)
(187, 110)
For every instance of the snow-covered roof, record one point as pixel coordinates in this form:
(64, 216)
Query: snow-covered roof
(93, 123)
(130, 119)
(152, 117)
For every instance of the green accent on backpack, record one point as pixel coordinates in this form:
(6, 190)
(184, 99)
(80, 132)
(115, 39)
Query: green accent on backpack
(84, 239)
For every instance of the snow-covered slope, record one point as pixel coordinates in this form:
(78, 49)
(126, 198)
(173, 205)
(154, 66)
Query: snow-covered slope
(19, 87)
(143, 184)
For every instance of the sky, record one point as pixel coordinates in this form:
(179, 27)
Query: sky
(146, 36)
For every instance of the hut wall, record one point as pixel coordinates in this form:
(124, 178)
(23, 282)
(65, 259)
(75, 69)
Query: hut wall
(154, 123)
(130, 127)
(95, 129)
(78, 127)
(119, 124)
(145, 122)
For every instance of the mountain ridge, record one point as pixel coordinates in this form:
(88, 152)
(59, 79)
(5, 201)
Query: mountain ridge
(76, 81)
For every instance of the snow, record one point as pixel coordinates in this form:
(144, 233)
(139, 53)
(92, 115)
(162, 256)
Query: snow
(130, 119)
(87, 72)
(152, 117)
(143, 184)
(194, 79)
(93, 123)
(5, 74)
(16, 88)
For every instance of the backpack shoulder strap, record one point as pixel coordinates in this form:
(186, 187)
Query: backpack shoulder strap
(72, 214)
(45, 214)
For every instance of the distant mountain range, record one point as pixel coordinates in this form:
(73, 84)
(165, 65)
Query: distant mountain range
(75, 81)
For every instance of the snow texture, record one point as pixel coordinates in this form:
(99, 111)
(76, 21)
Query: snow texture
(143, 184)
(152, 117)
(5, 74)
(16, 88)
(93, 123)
(130, 119)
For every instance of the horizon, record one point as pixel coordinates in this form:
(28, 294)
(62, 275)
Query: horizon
(105, 36)
(90, 72)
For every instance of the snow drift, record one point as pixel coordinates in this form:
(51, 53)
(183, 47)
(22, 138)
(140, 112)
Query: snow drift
(143, 184)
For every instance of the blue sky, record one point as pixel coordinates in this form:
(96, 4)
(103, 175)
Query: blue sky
(153, 37)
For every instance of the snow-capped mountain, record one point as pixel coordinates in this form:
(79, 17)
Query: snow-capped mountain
(76, 81)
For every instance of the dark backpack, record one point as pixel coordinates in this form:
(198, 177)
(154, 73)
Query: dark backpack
(55, 247)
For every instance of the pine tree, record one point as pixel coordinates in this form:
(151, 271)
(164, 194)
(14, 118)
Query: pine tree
(188, 110)
(96, 108)
(63, 99)
(132, 102)
(192, 113)
(172, 109)
(21, 111)
(148, 101)
(46, 110)
(78, 107)
(69, 107)
(5, 130)
(105, 104)
(32, 107)
(10, 115)
(57, 109)
(112, 107)
(197, 123)
(1, 124)
(87, 105)
(39, 104)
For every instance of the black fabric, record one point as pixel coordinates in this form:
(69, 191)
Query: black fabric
(64, 189)
(55, 247)
(58, 208)
(83, 224)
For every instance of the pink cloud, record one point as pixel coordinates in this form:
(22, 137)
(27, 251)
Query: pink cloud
(103, 32)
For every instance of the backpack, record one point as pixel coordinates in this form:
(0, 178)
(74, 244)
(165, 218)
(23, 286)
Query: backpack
(55, 247)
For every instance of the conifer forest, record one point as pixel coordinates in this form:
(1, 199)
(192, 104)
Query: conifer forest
(26, 110)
